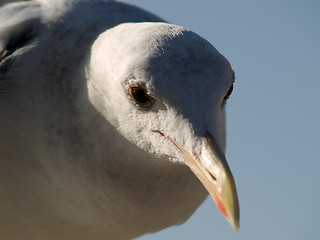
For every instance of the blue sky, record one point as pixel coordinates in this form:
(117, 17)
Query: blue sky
(273, 114)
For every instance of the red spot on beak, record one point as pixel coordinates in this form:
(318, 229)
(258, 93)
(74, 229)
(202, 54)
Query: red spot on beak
(221, 208)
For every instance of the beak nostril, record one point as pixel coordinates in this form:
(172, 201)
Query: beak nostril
(213, 177)
(199, 160)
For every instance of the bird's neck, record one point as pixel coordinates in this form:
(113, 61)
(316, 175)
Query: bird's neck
(76, 177)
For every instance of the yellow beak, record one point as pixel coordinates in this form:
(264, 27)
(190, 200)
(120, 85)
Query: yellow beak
(212, 169)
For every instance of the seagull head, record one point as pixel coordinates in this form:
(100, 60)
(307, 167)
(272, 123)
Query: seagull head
(164, 88)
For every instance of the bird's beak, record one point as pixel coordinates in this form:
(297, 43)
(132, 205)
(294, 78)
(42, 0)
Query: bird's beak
(212, 169)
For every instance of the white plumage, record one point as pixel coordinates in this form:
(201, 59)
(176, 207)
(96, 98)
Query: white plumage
(104, 108)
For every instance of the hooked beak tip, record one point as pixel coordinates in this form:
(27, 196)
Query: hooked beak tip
(213, 171)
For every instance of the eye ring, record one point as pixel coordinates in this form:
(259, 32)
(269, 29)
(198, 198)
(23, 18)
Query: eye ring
(226, 97)
(140, 95)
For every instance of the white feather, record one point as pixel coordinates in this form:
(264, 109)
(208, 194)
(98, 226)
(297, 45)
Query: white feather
(78, 158)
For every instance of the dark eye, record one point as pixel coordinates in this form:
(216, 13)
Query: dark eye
(227, 95)
(139, 94)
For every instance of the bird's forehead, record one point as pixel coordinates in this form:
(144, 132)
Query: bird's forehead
(177, 56)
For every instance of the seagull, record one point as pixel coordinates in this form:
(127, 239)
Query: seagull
(112, 122)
